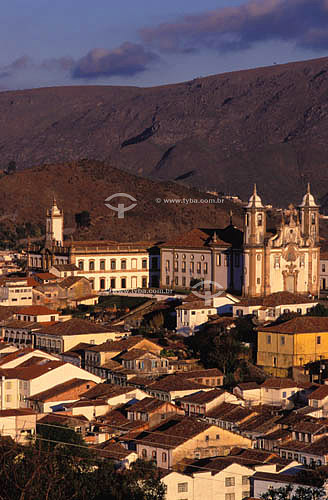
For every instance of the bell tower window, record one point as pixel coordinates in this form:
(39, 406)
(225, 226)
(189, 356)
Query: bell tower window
(313, 219)
(260, 220)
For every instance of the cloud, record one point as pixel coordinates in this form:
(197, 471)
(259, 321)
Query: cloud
(26, 63)
(303, 22)
(127, 60)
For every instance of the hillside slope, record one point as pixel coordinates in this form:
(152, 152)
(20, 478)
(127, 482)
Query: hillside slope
(85, 185)
(224, 131)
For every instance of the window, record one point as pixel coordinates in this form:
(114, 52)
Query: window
(182, 487)
(81, 265)
(144, 264)
(144, 282)
(176, 266)
(183, 267)
(192, 267)
(268, 339)
(144, 453)
(258, 281)
(284, 394)
(260, 219)
(154, 455)
(164, 457)
(230, 481)
(247, 219)
(113, 264)
(323, 268)
(113, 283)
(167, 280)
(134, 264)
(183, 281)
(218, 260)
(123, 264)
(282, 340)
(123, 283)
(176, 281)
(102, 283)
(91, 265)
(199, 267)
(318, 340)
(313, 219)
(302, 260)
(52, 318)
(229, 496)
(276, 262)
(245, 480)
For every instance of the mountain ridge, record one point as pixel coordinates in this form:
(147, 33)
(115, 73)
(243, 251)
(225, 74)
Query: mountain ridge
(222, 132)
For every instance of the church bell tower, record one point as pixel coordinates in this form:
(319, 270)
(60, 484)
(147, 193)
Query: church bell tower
(54, 226)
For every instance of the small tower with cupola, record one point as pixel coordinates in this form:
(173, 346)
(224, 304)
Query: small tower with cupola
(254, 234)
(309, 215)
(54, 226)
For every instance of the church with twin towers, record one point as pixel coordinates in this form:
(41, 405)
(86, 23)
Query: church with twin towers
(253, 260)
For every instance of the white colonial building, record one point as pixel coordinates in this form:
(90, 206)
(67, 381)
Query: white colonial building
(107, 264)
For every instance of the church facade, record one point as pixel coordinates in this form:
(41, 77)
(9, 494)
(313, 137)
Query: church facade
(286, 260)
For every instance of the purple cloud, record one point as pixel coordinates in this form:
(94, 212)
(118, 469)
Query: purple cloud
(127, 60)
(303, 22)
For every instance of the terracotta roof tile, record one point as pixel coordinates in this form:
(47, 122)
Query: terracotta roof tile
(55, 393)
(279, 383)
(74, 326)
(175, 383)
(35, 310)
(202, 397)
(301, 324)
(195, 238)
(275, 299)
(320, 393)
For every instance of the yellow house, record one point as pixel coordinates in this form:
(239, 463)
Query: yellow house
(293, 343)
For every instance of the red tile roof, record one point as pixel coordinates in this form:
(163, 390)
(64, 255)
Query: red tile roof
(74, 326)
(175, 383)
(30, 372)
(301, 324)
(195, 238)
(320, 393)
(279, 383)
(35, 310)
(275, 299)
(173, 432)
(55, 393)
(202, 397)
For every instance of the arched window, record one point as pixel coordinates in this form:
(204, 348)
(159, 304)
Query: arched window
(91, 265)
(259, 219)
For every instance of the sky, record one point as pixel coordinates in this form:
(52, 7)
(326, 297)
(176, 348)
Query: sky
(145, 43)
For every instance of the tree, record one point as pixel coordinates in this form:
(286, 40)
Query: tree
(29, 473)
(11, 169)
(289, 493)
(83, 219)
(318, 310)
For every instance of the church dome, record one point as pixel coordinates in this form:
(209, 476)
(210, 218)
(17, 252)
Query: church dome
(255, 200)
(308, 199)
